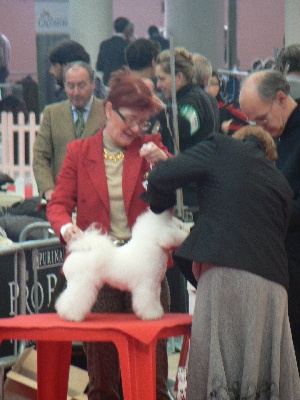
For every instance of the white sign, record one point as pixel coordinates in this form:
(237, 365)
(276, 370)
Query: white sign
(52, 17)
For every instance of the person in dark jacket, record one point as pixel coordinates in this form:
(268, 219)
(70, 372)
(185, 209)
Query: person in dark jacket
(202, 77)
(156, 37)
(289, 63)
(241, 344)
(231, 117)
(196, 117)
(265, 100)
(60, 56)
(111, 56)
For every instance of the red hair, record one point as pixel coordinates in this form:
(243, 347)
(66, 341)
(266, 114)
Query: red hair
(131, 92)
(263, 137)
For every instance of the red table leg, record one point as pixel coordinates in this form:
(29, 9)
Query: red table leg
(138, 368)
(53, 359)
(142, 364)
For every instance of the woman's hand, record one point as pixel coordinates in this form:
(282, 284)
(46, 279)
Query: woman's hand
(69, 231)
(48, 194)
(152, 153)
(226, 126)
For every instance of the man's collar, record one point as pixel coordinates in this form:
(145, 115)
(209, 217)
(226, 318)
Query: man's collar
(120, 34)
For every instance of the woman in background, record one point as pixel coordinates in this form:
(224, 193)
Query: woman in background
(231, 118)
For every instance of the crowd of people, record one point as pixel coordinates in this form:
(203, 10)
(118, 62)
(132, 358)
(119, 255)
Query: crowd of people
(112, 146)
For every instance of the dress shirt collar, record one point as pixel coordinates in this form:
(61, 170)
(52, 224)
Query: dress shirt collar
(86, 111)
(121, 35)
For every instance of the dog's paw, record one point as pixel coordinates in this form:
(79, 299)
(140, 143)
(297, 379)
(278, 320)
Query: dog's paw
(151, 313)
(68, 311)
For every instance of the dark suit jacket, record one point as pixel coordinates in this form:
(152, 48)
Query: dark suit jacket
(111, 56)
(244, 205)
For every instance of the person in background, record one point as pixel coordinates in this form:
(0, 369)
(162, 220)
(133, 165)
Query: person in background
(231, 117)
(79, 116)
(103, 177)
(203, 70)
(155, 36)
(60, 56)
(196, 119)
(130, 33)
(11, 103)
(4, 57)
(140, 57)
(241, 345)
(266, 101)
(257, 65)
(202, 77)
(289, 60)
(269, 63)
(111, 56)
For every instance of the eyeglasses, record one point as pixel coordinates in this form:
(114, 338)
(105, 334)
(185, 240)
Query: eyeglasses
(133, 123)
(213, 83)
(262, 120)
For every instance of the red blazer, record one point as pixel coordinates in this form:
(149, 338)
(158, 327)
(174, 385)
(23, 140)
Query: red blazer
(82, 183)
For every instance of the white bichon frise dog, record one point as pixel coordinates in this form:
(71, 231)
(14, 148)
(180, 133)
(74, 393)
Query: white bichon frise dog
(138, 266)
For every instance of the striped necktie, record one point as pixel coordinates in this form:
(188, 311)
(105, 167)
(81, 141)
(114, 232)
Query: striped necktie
(79, 124)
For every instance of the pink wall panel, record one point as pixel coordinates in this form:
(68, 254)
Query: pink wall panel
(142, 13)
(17, 23)
(260, 29)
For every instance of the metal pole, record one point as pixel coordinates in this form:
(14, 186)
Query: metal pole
(179, 198)
(232, 34)
(173, 91)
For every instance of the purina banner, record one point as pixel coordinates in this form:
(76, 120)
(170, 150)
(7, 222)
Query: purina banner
(50, 260)
(52, 17)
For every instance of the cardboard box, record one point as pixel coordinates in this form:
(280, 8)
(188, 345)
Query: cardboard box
(21, 380)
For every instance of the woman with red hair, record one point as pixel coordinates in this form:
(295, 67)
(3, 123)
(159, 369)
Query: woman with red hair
(104, 176)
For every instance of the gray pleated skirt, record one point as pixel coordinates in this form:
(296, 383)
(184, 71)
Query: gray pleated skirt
(241, 344)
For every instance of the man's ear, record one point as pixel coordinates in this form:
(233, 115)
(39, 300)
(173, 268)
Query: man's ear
(180, 76)
(281, 98)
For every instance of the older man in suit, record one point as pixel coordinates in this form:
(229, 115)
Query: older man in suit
(80, 116)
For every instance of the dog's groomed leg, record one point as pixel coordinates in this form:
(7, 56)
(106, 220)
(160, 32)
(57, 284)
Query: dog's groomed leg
(77, 300)
(146, 302)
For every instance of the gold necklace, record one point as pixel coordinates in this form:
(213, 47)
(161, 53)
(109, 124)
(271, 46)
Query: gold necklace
(115, 158)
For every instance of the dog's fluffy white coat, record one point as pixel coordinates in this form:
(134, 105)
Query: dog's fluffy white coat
(139, 266)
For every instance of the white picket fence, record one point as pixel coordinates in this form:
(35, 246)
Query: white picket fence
(16, 151)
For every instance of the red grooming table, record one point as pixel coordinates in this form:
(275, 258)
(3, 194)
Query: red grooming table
(135, 340)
